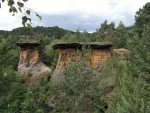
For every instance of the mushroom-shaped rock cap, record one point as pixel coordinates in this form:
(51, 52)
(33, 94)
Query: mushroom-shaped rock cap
(27, 43)
(93, 45)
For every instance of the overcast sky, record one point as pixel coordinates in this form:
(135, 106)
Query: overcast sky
(73, 14)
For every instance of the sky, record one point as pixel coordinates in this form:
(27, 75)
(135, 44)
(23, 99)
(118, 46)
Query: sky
(74, 14)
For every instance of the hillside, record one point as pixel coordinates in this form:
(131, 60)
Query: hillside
(83, 89)
(44, 31)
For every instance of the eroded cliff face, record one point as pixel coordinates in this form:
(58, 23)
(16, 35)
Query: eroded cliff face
(30, 67)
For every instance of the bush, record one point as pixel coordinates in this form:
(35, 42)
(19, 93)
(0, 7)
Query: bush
(19, 98)
(80, 91)
(131, 93)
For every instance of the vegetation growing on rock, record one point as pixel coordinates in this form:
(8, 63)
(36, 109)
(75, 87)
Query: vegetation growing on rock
(131, 89)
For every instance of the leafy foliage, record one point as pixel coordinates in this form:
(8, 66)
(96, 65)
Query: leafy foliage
(142, 18)
(17, 97)
(8, 53)
(18, 6)
(132, 94)
(80, 91)
(139, 52)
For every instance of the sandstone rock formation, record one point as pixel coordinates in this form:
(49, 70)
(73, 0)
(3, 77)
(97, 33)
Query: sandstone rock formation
(95, 53)
(30, 67)
(121, 53)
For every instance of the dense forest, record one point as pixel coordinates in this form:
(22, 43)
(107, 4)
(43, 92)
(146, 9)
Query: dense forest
(132, 87)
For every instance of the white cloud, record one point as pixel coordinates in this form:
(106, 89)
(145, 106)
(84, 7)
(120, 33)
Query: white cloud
(71, 14)
(7, 21)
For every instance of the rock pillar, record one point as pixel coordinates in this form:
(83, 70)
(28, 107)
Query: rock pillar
(30, 67)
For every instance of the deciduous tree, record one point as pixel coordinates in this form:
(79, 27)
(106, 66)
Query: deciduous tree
(15, 6)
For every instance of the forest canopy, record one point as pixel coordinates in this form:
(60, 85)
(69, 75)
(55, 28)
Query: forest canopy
(133, 79)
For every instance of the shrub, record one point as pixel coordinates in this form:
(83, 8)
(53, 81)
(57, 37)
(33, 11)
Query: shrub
(80, 91)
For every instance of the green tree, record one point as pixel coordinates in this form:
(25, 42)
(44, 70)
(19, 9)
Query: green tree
(131, 92)
(69, 37)
(51, 55)
(80, 91)
(142, 18)
(8, 53)
(117, 37)
(105, 31)
(139, 52)
(16, 97)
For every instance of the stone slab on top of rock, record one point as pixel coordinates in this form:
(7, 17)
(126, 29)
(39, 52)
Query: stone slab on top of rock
(30, 67)
(97, 53)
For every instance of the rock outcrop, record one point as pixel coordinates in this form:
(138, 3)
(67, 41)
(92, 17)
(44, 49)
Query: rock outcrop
(121, 53)
(30, 67)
